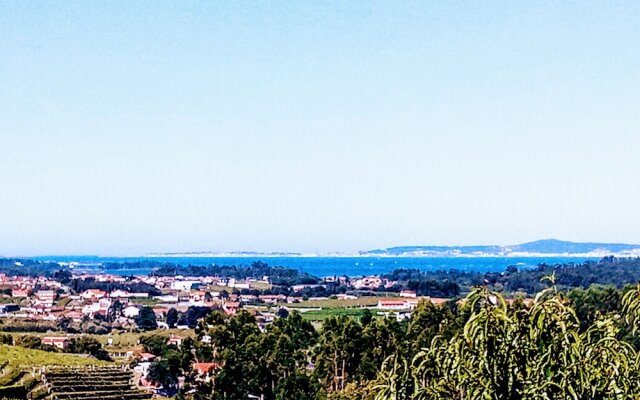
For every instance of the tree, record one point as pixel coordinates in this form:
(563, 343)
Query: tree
(508, 353)
(6, 339)
(172, 317)
(338, 353)
(29, 342)
(282, 312)
(160, 374)
(367, 317)
(146, 320)
(154, 344)
(594, 302)
(115, 311)
(89, 345)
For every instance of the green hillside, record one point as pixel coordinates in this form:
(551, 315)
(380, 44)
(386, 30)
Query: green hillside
(14, 360)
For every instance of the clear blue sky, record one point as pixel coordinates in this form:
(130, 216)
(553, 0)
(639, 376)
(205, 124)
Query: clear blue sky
(134, 127)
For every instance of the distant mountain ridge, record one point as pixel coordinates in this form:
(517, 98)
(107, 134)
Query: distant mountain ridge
(538, 247)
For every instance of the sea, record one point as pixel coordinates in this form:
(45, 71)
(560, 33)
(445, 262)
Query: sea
(324, 266)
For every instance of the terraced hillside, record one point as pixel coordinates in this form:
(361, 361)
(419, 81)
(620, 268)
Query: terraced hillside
(91, 383)
(20, 369)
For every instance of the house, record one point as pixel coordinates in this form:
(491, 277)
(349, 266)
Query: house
(185, 285)
(368, 282)
(58, 342)
(392, 304)
(45, 296)
(160, 312)
(175, 340)
(203, 371)
(149, 386)
(20, 293)
(131, 311)
(247, 298)
(408, 293)
(75, 316)
(93, 294)
(120, 294)
(142, 368)
(272, 298)
(231, 308)
(238, 285)
(144, 357)
(411, 303)
(99, 307)
(197, 296)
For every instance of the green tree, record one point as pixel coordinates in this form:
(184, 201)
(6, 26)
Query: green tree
(172, 317)
(29, 342)
(154, 344)
(509, 353)
(88, 345)
(146, 320)
(6, 339)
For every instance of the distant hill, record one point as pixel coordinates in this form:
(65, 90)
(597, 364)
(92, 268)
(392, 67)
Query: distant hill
(539, 247)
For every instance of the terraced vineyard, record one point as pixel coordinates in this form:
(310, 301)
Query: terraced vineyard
(91, 383)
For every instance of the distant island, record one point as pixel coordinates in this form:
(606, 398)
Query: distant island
(538, 248)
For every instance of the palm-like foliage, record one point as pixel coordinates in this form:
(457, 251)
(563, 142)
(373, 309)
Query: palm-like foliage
(509, 353)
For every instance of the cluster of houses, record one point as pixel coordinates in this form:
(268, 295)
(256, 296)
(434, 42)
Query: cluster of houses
(42, 298)
(45, 299)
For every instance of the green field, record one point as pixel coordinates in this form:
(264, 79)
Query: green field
(323, 309)
(145, 301)
(121, 341)
(127, 340)
(336, 303)
(321, 315)
(20, 356)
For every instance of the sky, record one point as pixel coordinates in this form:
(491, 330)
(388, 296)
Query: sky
(166, 126)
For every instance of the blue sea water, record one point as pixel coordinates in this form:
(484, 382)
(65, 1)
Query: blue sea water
(330, 266)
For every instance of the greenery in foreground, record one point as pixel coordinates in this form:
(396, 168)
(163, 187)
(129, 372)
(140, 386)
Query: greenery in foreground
(483, 348)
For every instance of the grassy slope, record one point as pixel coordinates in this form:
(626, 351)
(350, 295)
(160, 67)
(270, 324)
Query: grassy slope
(19, 356)
(14, 359)
(121, 341)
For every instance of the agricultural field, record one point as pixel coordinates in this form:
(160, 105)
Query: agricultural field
(127, 340)
(365, 301)
(321, 315)
(16, 361)
(145, 301)
(319, 310)
(121, 341)
(15, 356)
(99, 383)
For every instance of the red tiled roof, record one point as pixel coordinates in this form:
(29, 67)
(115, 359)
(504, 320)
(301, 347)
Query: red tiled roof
(204, 368)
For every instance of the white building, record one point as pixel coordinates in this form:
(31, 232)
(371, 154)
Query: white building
(185, 285)
(131, 311)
